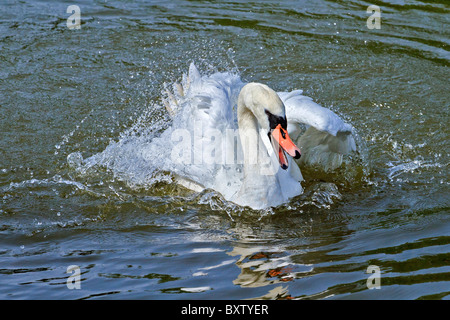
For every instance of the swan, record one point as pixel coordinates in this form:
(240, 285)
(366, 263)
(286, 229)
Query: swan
(265, 133)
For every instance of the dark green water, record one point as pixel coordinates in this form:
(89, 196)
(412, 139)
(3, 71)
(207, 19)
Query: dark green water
(65, 93)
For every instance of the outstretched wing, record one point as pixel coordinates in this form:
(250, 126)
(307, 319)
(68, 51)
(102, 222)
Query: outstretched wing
(210, 99)
(204, 105)
(327, 137)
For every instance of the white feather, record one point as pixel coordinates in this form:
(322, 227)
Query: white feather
(327, 137)
(209, 104)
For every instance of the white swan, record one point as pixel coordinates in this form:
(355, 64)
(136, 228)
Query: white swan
(211, 107)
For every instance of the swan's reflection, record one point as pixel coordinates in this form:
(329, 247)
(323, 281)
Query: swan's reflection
(273, 250)
(263, 264)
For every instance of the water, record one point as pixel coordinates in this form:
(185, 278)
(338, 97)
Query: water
(69, 96)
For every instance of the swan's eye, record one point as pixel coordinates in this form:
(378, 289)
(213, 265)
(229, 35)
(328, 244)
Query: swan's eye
(274, 120)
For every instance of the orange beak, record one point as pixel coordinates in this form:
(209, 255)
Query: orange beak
(282, 143)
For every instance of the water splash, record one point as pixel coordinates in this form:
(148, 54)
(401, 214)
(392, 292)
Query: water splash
(141, 156)
(398, 168)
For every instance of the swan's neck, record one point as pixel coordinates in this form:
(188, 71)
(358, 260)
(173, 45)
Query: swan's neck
(252, 117)
(260, 186)
(249, 136)
(255, 185)
(258, 165)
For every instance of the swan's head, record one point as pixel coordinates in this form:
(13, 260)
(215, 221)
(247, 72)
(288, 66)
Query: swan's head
(279, 137)
(269, 110)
